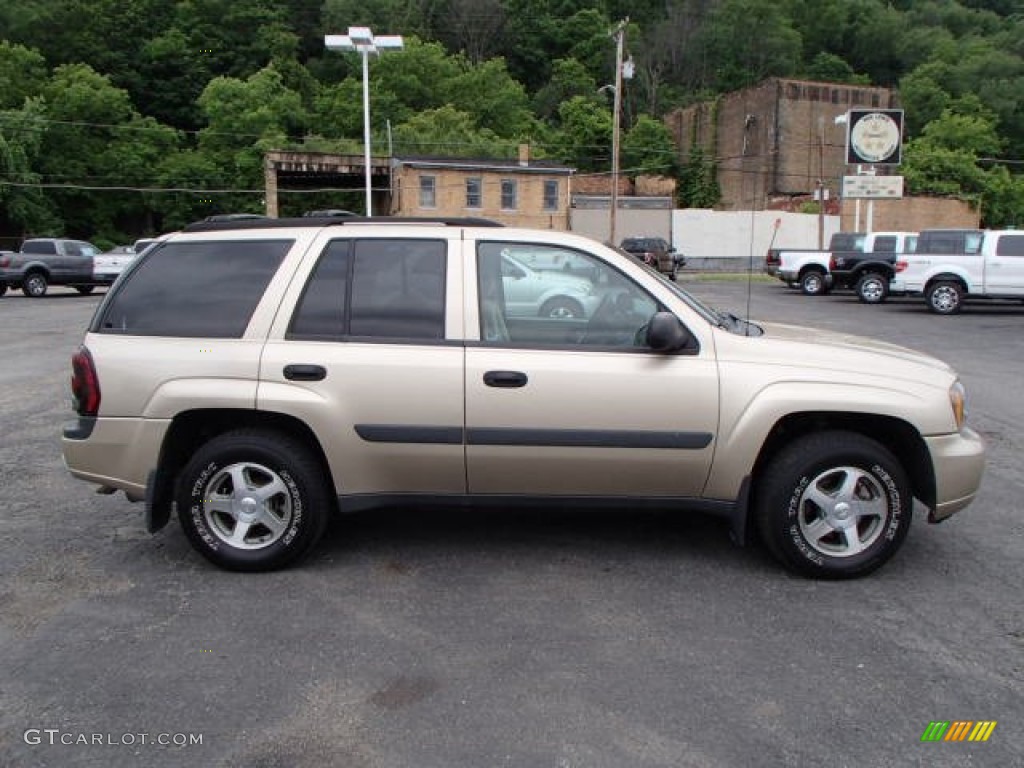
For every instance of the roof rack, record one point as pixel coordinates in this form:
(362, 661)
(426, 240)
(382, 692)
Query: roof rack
(337, 221)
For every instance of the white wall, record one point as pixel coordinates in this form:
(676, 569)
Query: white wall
(703, 233)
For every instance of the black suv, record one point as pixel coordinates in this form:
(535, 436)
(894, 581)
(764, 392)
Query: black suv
(655, 252)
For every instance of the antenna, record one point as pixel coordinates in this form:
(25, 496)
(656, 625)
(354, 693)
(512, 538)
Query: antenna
(749, 123)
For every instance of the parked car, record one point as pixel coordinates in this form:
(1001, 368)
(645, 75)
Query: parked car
(550, 259)
(330, 212)
(46, 261)
(258, 379)
(545, 293)
(655, 252)
(107, 267)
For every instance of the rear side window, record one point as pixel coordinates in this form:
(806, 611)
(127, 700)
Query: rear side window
(1010, 245)
(885, 244)
(39, 246)
(380, 288)
(197, 289)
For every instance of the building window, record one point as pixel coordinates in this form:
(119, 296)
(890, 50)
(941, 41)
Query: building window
(428, 192)
(551, 195)
(474, 195)
(508, 194)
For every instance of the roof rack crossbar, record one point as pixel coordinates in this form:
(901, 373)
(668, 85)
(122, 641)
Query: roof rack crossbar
(338, 221)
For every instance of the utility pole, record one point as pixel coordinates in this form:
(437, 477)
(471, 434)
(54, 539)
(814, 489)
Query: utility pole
(619, 33)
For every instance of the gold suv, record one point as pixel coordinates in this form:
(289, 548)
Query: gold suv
(259, 376)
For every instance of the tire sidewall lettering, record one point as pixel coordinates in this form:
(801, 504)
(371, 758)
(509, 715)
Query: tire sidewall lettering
(212, 541)
(894, 522)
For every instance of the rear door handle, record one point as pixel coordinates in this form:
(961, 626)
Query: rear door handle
(305, 372)
(505, 379)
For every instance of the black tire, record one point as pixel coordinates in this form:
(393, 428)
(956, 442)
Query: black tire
(812, 283)
(34, 285)
(286, 499)
(872, 288)
(945, 297)
(85, 290)
(833, 505)
(3, 287)
(561, 307)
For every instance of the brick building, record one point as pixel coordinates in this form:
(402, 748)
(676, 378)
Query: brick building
(775, 140)
(523, 192)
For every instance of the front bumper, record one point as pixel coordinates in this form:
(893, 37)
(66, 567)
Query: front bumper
(959, 462)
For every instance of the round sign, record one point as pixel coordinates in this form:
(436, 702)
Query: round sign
(875, 137)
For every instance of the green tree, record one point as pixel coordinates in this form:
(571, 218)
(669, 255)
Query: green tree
(245, 118)
(568, 78)
(24, 208)
(832, 69)
(446, 131)
(23, 73)
(584, 139)
(648, 148)
(96, 145)
(698, 181)
(750, 40)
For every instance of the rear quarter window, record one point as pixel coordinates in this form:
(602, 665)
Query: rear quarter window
(40, 246)
(193, 289)
(1010, 245)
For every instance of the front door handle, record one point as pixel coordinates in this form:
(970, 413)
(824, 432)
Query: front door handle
(305, 372)
(505, 379)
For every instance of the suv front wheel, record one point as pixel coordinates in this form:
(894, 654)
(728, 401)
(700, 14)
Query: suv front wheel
(253, 500)
(834, 505)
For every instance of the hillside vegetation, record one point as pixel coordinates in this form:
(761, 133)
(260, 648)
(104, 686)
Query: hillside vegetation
(123, 117)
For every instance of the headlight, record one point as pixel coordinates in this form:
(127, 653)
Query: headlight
(958, 400)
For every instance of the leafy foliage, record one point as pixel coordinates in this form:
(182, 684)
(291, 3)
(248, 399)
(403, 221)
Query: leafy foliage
(153, 97)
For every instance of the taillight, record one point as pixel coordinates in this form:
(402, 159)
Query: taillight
(85, 384)
(832, 264)
(901, 265)
(5, 261)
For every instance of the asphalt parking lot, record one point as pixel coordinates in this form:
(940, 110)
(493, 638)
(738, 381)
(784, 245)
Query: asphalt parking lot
(506, 638)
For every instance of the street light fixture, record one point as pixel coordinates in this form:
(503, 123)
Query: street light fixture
(361, 39)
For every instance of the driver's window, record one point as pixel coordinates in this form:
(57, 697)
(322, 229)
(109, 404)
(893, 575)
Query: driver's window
(540, 295)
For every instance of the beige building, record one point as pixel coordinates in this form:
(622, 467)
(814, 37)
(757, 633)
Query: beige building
(523, 192)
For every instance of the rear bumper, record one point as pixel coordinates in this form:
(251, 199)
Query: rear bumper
(959, 462)
(117, 453)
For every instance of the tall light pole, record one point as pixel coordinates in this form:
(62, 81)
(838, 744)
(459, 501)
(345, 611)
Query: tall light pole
(361, 39)
(618, 33)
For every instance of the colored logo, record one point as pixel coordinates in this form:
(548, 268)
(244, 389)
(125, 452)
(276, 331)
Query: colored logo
(958, 730)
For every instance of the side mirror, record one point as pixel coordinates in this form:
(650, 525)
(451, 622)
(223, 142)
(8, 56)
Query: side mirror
(666, 333)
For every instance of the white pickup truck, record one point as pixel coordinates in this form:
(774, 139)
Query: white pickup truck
(951, 266)
(808, 268)
(851, 257)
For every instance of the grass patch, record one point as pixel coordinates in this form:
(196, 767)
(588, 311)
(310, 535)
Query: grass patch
(726, 277)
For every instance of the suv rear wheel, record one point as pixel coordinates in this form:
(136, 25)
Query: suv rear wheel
(834, 505)
(3, 287)
(253, 500)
